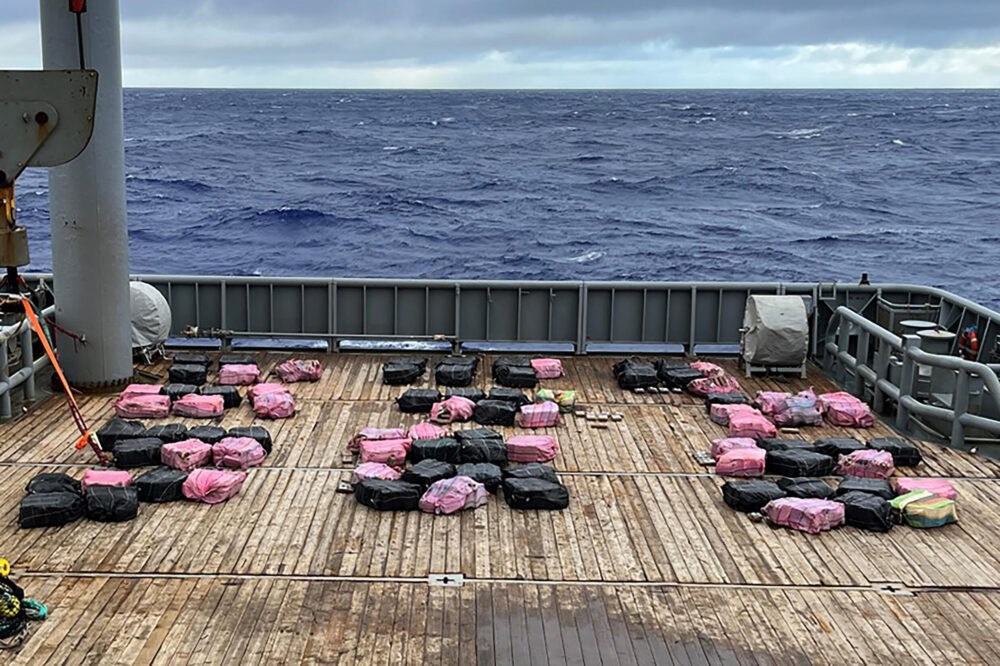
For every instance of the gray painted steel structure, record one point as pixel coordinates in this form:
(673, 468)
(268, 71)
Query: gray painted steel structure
(87, 202)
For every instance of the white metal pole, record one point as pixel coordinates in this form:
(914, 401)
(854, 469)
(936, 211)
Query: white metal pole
(87, 203)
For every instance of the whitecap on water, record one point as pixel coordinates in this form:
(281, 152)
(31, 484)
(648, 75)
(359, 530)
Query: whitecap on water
(587, 257)
(899, 142)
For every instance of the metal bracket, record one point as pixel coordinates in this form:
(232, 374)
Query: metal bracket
(46, 118)
(446, 580)
(893, 589)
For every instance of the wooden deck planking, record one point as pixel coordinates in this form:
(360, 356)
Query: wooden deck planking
(191, 582)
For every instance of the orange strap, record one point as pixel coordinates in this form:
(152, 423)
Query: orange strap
(86, 436)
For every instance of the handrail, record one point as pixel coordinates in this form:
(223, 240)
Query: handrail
(25, 376)
(908, 349)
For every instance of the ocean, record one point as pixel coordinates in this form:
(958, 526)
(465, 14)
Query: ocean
(599, 185)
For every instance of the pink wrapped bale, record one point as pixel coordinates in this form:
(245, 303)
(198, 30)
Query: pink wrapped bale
(806, 515)
(426, 431)
(186, 454)
(105, 477)
(452, 495)
(725, 445)
(296, 370)
(212, 486)
(139, 389)
(238, 453)
(265, 388)
(939, 487)
(455, 408)
(547, 368)
(142, 406)
(770, 402)
(374, 470)
(867, 464)
(199, 406)
(801, 409)
(532, 448)
(843, 409)
(238, 374)
(538, 415)
(715, 384)
(707, 369)
(391, 452)
(354, 445)
(744, 462)
(274, 405)
(719, 413)
(753, 425)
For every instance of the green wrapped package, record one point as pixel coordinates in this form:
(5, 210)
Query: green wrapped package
(565, 399)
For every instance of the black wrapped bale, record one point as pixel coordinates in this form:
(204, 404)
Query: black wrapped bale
(904, 453)
(805, 487)
(163, 484)
(473, 394)
(631, 374)
(679, 378)
(52, 482)
(531, 471)
(237, 359)
(172, 432)
(454, 375)
(724, 399)
(798, 462)
(837, 446)
(878, 487)
(175, 391)
(138, 452)
(516, 376)
(535, 494)
(426, 472)
(398, 374)
(231, 397)
(443, 448)
(386, 495)
(467, 361)
(50, 509)
(750, 496)
(866, 511)
(509, 362)
(117, 429)
(187, 374)
(417, 361)
(206, 433)
(111, 504)
(485, 450)
(487, 474)
(187, 358)
(494, 412)
(662, 365)
(259, 433)
(418, 401)
(513, 396)
(782, 444)
(477, 433)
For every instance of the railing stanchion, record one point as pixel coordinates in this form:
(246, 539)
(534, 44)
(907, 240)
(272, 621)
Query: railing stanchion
(906, 380)
(4, 376)
(960, 405)
(862, 361)
(843, 345)
(881, 372)
(28, 361)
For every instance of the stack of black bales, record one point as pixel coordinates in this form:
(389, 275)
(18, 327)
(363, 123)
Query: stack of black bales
(516, 372)
(188, 370)
(403, 370)
(534, 486)
(456, 370)
(632, 374)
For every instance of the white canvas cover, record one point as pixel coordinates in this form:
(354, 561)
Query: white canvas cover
(150, 315)
(777, 331)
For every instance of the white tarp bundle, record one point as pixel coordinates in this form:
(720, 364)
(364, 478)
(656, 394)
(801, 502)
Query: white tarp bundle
(777, 331)
(150, 315)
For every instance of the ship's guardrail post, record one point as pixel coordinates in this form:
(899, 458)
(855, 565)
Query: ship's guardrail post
(881, 372)
(862, 360)
(960, 405)
(843, 345)
(28, 361)
(4, 377)
(907, 379)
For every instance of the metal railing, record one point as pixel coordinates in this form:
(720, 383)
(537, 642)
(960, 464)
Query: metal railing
(24, 376)
(868, 369)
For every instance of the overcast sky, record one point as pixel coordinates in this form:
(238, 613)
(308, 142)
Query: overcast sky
(543, 43)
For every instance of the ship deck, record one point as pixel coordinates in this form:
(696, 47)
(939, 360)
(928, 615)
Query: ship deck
(646, 566)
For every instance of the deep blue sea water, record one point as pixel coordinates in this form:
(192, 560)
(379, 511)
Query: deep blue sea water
(671, 185)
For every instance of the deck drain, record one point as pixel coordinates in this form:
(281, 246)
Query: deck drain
(893, 589)
(445, 580)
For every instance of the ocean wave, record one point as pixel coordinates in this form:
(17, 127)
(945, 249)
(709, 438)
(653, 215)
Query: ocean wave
(187, 184)
(587, 257)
